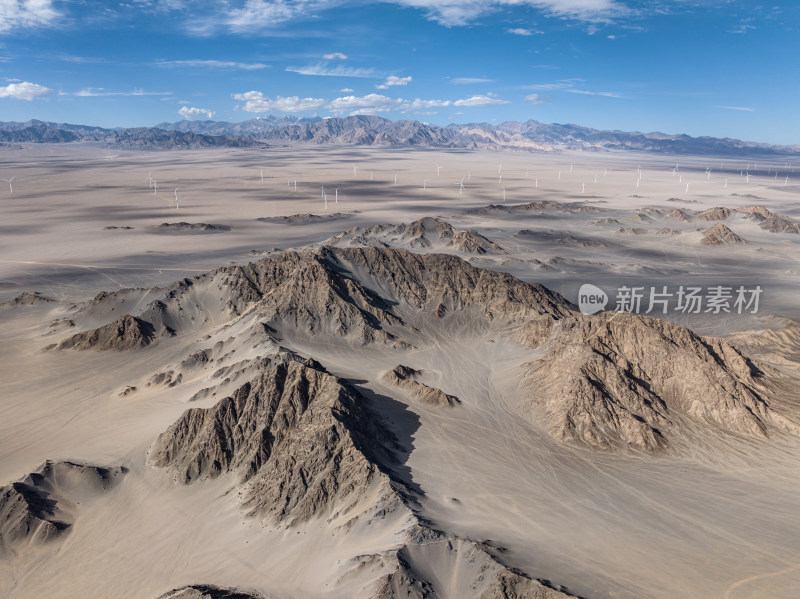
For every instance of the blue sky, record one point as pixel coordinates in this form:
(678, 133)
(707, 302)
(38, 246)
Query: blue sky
(727, 68)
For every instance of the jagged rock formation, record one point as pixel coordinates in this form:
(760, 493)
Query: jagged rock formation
(620, 380)
(41, 506)
(128, 332)
(534, 208)
(303, 219)
(432, 565)
(719, 234)
(27, 298)
(183, 226)
(717, 213)
(301, 440)
(209, 591)
(356, 293)
(405, 378)
(777, 223)
(425, 233)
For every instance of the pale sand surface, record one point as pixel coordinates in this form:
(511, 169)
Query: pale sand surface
(720, 519)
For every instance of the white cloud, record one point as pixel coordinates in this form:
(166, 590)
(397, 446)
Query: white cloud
(91, 92)
(739, 108)
(523, 31)
(392, 81)
(418, 104)
(346, 90)
(469, 80)
(214, 64)
(256, 102)
(461, 12)
(261, 14)
(26, 13)
(335, 56)
(480, 101)
(24, 91)
(257, 14)
(742, 28)
(189, 113)
(537, 99)
(364, 104)
(338, 71)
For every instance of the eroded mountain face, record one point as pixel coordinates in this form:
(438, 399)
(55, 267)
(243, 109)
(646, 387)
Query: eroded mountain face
(297, 444)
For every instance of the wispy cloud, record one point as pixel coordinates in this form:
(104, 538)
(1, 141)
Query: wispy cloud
(16, 14)
(191, 112)
(335, 56)
(481, 101)
(24, 91)
(455, 12)
(265, 14)
(523, 31)
(346, 90)
(392, 81)
(537, 99)
(469, 80)
(739, 108)
(92, 92)
(743, 27)
(571, 86)
(321, 70)
(586, 92)
(213, 64)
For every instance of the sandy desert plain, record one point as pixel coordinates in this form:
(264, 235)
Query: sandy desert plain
(373, 409)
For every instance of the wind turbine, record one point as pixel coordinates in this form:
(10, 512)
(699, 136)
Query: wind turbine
(469, 174)
(155, 187)
(438, 168)
(176, 198)
(150, 178)
(370, 175)
(559, 174)
(354, 171)
(295, 184)
(748, 178)
(726, 184)
(500, 167)
(583, 187)
(425, 184)
(504, 194)
(708, 173)
(537, 182)
(687, 188)
(337, 195)
(461, 186)
(10, 187)
(570, 168)
(395, 179)
(262, 175)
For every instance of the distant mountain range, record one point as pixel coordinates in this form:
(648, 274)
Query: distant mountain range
(380, 132)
